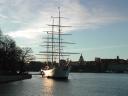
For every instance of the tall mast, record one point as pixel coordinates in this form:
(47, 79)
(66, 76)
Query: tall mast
(52, 43)
(59, 33)
(47, 48)
(52, 38)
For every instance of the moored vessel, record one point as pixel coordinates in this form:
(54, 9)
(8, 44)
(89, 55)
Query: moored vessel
(56, 66)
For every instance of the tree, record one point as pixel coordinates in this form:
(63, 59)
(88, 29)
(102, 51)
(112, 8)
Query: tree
(26, 56)
(7, 53)
(13, 58)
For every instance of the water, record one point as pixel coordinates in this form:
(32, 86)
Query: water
(79, 84)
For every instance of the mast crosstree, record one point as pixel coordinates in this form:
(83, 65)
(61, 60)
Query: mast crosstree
(54, 43)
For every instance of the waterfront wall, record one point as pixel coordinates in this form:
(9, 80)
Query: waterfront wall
(10, 78)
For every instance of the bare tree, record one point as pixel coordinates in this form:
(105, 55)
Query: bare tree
(13, 58)
(26, 55)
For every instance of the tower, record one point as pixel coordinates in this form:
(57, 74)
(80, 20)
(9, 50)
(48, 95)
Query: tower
(81, 60)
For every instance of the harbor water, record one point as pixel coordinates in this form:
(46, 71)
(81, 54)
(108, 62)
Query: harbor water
(79, 84)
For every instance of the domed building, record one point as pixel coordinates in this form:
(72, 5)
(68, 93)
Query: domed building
(81, 60)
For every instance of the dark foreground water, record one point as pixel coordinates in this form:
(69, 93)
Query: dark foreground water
(79, 84)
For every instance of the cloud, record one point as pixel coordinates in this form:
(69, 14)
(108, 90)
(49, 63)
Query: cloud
(33, 15)
(101, 48)
(27, 33)
(3, 16)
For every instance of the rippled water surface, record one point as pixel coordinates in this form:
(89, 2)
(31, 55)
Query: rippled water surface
(79, 84)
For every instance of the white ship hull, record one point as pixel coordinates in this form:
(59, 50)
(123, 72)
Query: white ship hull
(56, 72)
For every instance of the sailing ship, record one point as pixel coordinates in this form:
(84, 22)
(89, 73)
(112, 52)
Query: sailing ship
(58, 67)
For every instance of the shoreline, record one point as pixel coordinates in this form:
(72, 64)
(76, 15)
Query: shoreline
(11, 78)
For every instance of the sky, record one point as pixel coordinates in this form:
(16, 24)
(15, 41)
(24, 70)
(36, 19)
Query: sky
(99, 27)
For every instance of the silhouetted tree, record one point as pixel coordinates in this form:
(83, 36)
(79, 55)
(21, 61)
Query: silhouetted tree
(7, 53)
(13, 58)
(26, 56)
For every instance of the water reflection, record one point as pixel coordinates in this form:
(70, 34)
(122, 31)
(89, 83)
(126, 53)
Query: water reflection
(30, 87)
(48, 87)
(12, 89)
(86, 84)
(54, 87)
(37, 86)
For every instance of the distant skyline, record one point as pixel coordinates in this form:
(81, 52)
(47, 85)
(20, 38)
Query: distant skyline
(99, 27)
